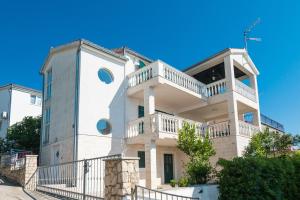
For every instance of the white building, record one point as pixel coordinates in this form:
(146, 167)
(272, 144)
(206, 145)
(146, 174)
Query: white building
(17, 102)
(99, 102)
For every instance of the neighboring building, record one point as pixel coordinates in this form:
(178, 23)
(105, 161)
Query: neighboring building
(99, 102)
(17, 102)
(271, 124)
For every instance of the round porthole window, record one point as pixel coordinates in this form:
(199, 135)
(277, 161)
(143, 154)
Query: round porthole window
(105, 76)
(104, 126)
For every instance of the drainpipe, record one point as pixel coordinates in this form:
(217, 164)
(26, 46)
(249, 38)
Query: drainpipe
(42, 121)
(76, 107)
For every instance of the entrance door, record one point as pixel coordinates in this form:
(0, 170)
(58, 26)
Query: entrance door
(168, 167)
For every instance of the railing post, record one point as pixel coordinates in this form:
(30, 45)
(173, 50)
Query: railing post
(85, 171)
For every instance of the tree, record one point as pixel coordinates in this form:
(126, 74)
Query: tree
(199, 149)
(268, 143)
(25, 134)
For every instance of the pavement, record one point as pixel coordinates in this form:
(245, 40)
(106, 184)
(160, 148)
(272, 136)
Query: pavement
(12, 191)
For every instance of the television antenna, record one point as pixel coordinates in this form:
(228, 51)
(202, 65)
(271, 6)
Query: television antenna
(248, 31)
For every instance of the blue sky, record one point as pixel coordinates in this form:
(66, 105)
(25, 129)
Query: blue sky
(178, 32)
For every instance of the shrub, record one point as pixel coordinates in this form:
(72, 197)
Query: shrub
(183, 182)
(199, 149)
(198, 171)
(257, 178)
(173, 183)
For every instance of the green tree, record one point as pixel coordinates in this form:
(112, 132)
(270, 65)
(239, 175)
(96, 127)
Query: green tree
(269, 143)
(199, 149)
(25, 134)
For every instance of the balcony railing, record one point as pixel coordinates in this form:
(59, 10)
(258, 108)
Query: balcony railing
(135, 128)
(215, 88)
(245, 90)
(161, 69)
(163, 123)
(247, 129)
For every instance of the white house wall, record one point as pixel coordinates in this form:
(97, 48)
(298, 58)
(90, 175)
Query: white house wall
(62, 102)
(99, 100)
(21, 106)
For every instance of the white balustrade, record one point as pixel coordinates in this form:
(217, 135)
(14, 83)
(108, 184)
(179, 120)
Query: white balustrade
(245, 90)
(164, 70)
(221, 129)
(164, 123)
(247, 129)
(135, 128)
(215, 88)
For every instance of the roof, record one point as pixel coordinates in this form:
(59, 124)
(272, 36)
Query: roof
(78, 43)
(20, 88)
(123, 49)
(225, 52)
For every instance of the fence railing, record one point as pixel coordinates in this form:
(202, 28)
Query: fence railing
(144, 193)
(83, 179)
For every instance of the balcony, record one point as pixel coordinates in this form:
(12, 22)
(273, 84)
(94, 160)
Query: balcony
(161, 69)
(165, 128)
(247, 129)
(245, 90)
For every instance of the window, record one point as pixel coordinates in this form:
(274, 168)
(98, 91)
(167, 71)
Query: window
(47, 125)
(49, 84)
(35, 100)
(141, 64)
(32, 99)
(141, 155)
(103, 126)
(0, 125)
(105, 76)
(141, 111)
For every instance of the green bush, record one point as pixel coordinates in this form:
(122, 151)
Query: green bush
(198, 171)
(183, 182)
(256, 178)
(173, 182)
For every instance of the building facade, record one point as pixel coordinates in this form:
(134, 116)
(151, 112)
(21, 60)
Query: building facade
(17, 102)
(99, 102)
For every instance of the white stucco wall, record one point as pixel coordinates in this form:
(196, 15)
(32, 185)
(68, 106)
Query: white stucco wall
(62, 103)
(99, 100)
(17, 104)
(21, 106)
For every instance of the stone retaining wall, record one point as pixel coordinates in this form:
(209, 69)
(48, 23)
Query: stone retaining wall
(22, 175)
(121, 175)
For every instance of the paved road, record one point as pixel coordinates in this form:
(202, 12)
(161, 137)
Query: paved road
(11, 191)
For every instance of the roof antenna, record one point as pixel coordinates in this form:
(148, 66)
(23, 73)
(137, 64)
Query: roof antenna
(248, 31)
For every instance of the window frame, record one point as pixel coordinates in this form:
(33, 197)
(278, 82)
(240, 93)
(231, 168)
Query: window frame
(109, 75)
(142, 159)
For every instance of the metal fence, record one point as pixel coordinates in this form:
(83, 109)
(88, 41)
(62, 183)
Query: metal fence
(144, 193)
(83, 179)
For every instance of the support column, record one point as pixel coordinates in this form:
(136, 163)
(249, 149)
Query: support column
(151, 167)
(256, 115)
(149, 107)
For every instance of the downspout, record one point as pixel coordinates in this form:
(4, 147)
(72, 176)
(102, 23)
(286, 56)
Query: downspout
(9, 106)
(42, 121)
(76, 104)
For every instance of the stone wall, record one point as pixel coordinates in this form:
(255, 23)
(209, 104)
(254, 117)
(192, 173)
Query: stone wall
(121, 175)
(23, 174)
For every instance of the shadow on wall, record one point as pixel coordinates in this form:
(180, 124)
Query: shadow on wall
(117, 119)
